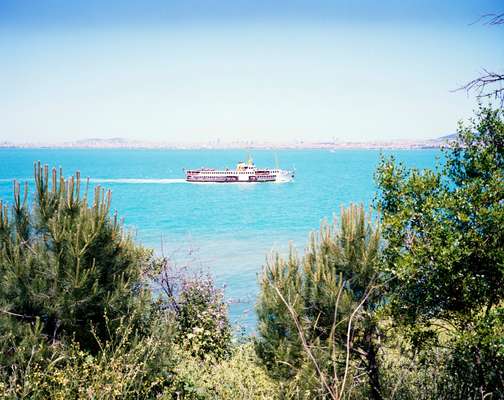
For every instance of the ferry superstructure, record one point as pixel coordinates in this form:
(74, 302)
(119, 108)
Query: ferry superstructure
(244, 173)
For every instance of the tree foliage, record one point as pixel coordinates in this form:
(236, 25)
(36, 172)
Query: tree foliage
(316, 311)
(66, 266)
(444, 231)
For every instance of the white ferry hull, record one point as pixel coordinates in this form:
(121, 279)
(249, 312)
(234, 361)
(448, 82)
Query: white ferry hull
(202, 177)
(244, 173)
(237, 179)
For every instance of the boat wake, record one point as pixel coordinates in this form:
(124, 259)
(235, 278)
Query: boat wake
(137, 181)
(148, 181)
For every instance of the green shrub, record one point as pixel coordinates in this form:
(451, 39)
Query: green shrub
(198, 307)
(238, 377)
(475, 364)
(202, 319)
(128, 367)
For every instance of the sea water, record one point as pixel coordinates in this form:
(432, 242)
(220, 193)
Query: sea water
(227, 229)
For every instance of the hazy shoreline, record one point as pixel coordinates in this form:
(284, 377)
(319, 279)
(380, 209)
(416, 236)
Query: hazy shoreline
(119, 143)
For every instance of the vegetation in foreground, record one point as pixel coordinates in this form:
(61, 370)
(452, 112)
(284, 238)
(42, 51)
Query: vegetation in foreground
(405, 303)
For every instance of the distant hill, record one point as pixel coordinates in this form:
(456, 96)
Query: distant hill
(99, 141)
(452, 136)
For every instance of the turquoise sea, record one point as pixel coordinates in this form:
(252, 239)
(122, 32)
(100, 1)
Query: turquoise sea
(228, 229)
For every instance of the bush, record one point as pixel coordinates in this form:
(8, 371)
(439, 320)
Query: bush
(475, 364)
(128, 367)
(239, 377)
(198, 307)
(202, 319)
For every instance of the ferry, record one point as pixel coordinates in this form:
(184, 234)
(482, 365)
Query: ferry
(245, 172)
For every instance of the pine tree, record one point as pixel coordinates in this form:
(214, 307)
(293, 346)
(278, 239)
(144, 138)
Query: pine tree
(68, 270)
(314, 310)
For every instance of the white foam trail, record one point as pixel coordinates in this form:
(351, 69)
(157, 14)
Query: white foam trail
(138, 181)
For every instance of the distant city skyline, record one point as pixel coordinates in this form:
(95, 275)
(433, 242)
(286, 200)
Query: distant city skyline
(200, 71)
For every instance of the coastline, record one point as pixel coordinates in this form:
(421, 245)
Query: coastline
(329, 146)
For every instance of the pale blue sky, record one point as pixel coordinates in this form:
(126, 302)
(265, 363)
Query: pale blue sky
(197, 71)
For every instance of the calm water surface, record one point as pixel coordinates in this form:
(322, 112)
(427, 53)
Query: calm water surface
(228, 229)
